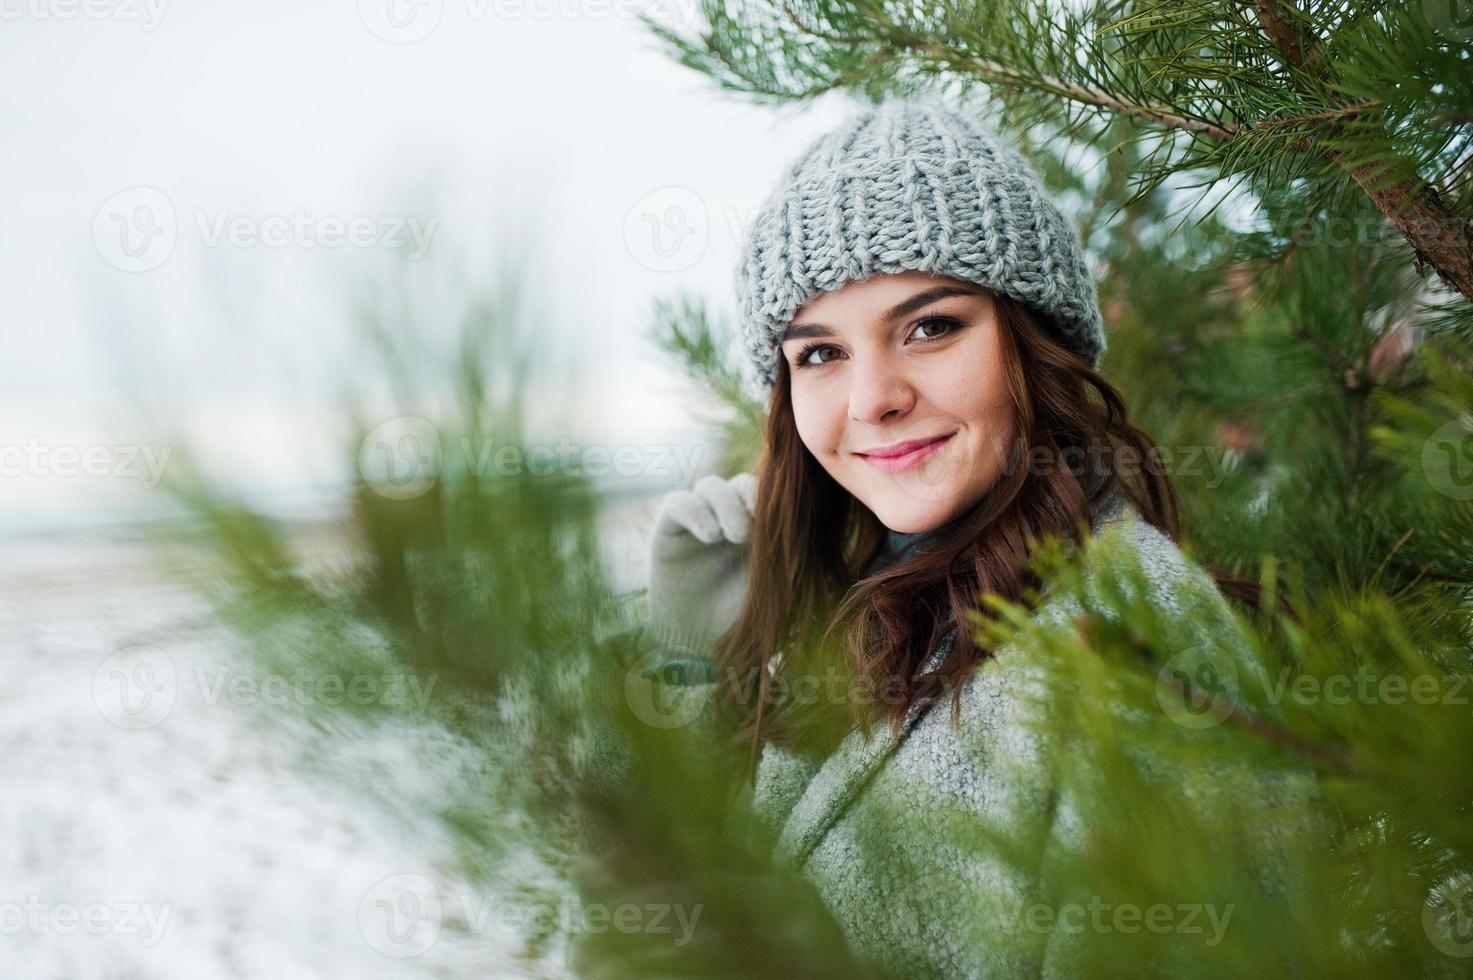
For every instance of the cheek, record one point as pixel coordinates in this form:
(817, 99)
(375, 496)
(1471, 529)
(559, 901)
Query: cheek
(817, 425)
(983, 386)
(996, 419)
(974, 389)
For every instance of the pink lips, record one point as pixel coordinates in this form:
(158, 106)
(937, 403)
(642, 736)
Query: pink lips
(905, 455)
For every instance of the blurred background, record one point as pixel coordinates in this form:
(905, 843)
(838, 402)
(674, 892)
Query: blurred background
(182, 183)
(204, 203)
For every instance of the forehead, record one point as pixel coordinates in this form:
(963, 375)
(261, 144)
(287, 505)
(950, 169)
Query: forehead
(874, 290)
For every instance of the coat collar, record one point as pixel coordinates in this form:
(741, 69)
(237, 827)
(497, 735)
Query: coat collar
(845, 773)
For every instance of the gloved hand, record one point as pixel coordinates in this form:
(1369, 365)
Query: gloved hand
(699, 560)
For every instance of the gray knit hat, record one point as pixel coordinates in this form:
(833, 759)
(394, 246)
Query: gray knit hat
(911, 186)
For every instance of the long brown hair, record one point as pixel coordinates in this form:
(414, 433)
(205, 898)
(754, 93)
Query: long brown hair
(812, 541)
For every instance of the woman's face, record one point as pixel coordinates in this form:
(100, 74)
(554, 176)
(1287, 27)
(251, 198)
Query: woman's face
(898, 391)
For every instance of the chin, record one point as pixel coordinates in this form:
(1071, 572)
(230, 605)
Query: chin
(912, 516)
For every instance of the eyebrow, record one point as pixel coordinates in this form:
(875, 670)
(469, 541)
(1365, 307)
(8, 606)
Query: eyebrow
(797, 331)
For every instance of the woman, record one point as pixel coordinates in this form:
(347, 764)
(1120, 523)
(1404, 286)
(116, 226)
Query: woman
(924, 327)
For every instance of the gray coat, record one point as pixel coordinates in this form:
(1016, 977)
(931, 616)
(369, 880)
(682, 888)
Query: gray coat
(923, 900)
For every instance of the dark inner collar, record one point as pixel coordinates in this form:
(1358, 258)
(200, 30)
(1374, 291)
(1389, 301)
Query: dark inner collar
(899, 544)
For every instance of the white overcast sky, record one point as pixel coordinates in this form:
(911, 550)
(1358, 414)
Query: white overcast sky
(534, 129)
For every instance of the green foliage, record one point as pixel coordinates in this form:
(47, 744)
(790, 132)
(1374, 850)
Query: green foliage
(1329, 739)
(1351, 98)
(1278, 337)
(1312, 389)
(698, 348)
(489, 592)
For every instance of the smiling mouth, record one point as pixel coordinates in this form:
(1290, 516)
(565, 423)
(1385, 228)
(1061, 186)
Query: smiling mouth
(908, 459)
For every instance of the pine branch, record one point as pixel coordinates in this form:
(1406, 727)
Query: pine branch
(999, 74)
(1326, 758)
(1437, 235)
(1157, 64)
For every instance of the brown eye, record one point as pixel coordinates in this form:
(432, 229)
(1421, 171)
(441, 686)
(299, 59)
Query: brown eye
(805, 356)
(940, 324)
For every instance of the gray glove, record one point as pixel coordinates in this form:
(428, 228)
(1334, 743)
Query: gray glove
(698, 561)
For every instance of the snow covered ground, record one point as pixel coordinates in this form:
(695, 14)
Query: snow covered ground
(156, 823)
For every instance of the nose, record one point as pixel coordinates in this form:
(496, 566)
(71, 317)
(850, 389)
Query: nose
(879, 391)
